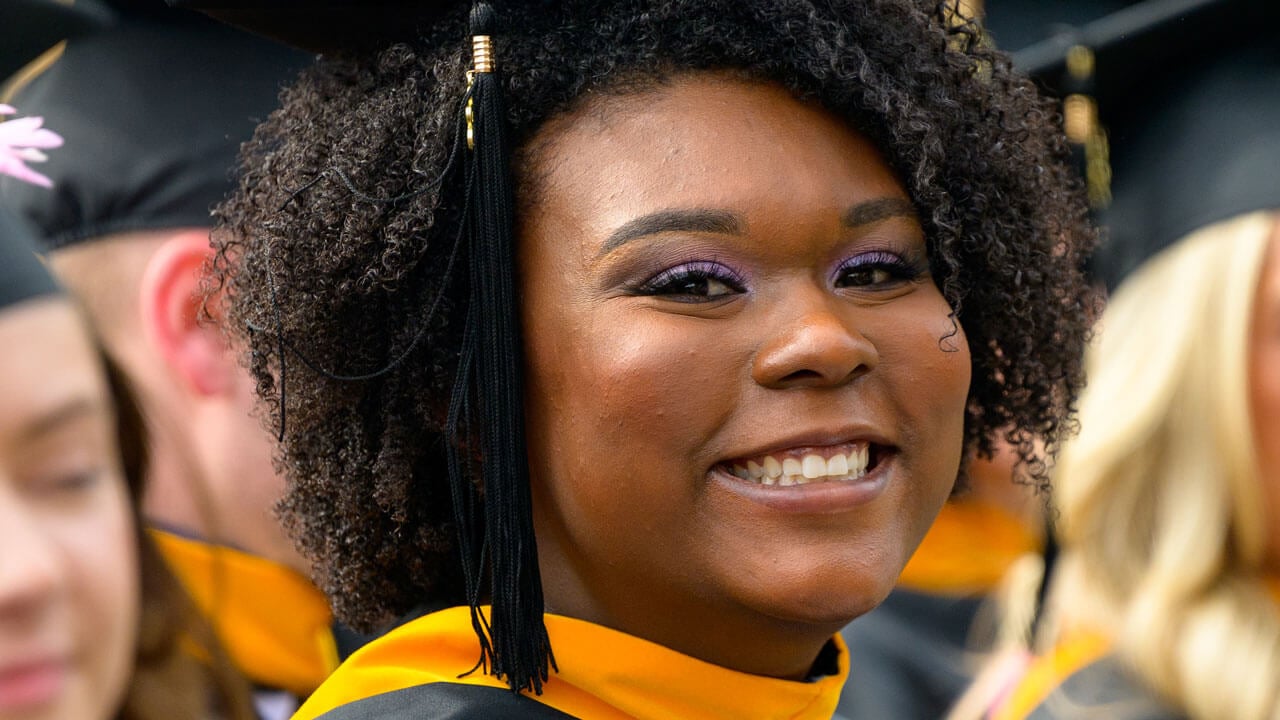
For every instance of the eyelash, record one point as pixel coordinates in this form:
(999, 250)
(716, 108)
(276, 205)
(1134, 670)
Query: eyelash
(73, 482)
(668, 282)
(897, 268)
(675, 282)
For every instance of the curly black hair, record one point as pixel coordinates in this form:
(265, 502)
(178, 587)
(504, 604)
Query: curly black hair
(317, 271)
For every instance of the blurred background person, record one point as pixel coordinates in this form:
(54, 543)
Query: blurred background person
(92, 623)
(152, 110)
(1164, 602)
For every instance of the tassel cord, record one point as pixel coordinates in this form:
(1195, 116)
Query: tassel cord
(513, 641)
(284, 347)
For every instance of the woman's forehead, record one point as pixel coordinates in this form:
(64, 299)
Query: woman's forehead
(704, 141)
(56, 376)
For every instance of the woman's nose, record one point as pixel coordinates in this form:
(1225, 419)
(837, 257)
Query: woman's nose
(812, 341)
(28, 560)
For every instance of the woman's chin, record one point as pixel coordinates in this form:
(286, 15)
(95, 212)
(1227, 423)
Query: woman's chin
(826, 606)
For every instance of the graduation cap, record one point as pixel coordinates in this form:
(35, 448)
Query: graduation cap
(31, 27)
(22, 275)
(152, 113)
(495, 527)
(1173, 104)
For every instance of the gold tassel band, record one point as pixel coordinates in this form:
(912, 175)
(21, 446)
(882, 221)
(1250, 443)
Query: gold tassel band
(481, 62)
(482, 53)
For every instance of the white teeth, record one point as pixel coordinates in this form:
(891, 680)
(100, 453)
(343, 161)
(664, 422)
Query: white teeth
(814, 466)
(838, 466)
(772, 467)
(858, 461)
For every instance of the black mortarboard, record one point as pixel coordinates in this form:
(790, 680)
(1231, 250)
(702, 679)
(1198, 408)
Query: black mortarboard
(1205, 147)
(1187, 93)
(152, 114)
(495, 528)
(22, 275)
(30, 27)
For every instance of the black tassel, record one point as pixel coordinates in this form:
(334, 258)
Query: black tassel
(487, 404)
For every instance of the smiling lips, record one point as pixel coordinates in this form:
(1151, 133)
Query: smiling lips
(803, 466)
(30, 684)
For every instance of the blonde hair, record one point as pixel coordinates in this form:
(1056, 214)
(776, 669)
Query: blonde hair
(1162, 510)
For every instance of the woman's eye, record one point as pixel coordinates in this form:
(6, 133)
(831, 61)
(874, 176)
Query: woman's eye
(861, 277)
(68, 483)
(697, 282)
(877, 269)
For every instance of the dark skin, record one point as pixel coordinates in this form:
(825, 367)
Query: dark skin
(714, 272)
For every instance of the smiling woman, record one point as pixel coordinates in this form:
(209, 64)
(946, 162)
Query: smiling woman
(778, 264)
(765, 394)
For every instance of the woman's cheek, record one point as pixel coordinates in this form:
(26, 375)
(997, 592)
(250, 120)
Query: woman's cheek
(106, 599)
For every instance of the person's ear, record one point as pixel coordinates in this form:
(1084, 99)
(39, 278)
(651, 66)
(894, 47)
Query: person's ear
(194, 351)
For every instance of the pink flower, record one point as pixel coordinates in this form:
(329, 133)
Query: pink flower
(22, 141)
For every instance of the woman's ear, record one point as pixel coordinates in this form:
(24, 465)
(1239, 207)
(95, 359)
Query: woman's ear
(169, 302)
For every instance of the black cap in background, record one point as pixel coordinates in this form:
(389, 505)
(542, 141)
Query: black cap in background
(1187, 93)
(30, 27)
(152, 113)
(1203, 147)
(22, 275)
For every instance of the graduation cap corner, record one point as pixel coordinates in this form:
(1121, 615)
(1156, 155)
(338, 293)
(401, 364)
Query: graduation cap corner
(1173, 107)
(32, 27)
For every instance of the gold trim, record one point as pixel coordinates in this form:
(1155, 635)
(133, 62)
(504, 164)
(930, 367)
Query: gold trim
(482, 53)
(471, 124)
(1079, 117)
(30, 71)
(1080, 62)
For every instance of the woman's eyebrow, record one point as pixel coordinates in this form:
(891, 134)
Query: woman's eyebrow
(673, 220)
(63, 414)
(729, 223)
(873, 211)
